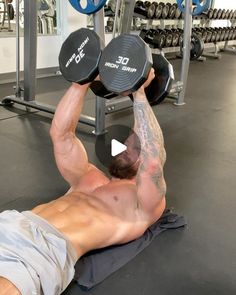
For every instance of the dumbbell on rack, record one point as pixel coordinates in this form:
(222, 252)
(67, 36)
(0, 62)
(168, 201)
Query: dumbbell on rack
(142, 8)
(155, 38)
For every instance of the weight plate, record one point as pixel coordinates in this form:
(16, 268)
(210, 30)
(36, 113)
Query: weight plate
(197, 47)
(199, 6)
(79, 56)
(90, 8)
(125, 64)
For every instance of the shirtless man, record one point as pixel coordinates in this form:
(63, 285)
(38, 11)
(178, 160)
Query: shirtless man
(41, 247)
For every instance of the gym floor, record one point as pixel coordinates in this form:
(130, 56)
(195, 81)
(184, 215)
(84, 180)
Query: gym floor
(200, 174)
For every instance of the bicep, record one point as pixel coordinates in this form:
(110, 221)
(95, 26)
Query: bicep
(71, 159)
(151, 187)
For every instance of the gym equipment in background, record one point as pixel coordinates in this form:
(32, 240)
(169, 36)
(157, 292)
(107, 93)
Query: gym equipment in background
(90, 8)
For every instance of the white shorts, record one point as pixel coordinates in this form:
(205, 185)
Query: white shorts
(34, 255)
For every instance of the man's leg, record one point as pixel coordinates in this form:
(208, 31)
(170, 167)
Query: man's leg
(7, 288)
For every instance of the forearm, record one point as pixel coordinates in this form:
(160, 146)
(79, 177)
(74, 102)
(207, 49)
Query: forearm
(148, 130)
(68, 110)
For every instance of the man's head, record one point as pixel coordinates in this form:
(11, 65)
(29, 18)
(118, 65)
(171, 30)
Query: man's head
(126, 164)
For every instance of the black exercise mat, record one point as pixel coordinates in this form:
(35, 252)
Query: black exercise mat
(97, 265)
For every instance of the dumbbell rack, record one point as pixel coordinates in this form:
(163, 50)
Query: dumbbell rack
(226, 46)
(220, 45)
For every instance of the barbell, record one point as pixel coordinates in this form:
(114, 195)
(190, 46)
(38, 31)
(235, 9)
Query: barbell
(123, 65)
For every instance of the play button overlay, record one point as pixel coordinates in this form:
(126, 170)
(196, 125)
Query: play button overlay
(117, 148)
(119, 141)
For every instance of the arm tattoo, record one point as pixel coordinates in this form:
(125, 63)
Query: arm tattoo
(151, 138)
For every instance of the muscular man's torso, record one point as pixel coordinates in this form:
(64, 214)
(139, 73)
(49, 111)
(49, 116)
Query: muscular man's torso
(99, 213)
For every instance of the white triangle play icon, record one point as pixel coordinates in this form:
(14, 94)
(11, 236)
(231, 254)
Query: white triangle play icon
(117, 147)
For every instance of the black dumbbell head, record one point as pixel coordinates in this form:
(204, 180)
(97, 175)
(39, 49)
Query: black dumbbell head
(172, 11)
(79, 56)
(151, 10)
(160, 87)
(125, 64)
(227, 14)
(165, 10)
(223, 14)
(215, 13)
(219, 15)
(231, 13)
(159, 9)
(210, 13)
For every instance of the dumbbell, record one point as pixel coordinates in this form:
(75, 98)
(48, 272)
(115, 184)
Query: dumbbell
(223, 14)
(156, 38)
(231, 14)
(142, 8)
(202, 33)
(213, 35)
(159, 39)
(234, 34)
(169, 37)
(208, 35)
(159, 8)
(210, 13)
(148, 35)
(227, 14)
(234, 15)
(218, 33)
(143, 34)
(110, 8)
(219, 14)
(81, 60)
(165, 10)
(125, 65)
(172, 11)
(215, 13)
(231, 34)
(226, 34)
(151, 10)
(175, 39)
(222, 34)
(178, 12)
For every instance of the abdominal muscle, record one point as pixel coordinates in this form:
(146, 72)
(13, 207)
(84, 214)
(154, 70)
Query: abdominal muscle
(90, 223)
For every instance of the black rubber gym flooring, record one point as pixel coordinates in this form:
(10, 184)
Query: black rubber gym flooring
(200, 173)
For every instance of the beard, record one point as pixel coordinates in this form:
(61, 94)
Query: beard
(123, 168)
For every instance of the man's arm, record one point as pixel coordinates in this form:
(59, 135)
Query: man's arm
(70, 154)
(150, 179)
